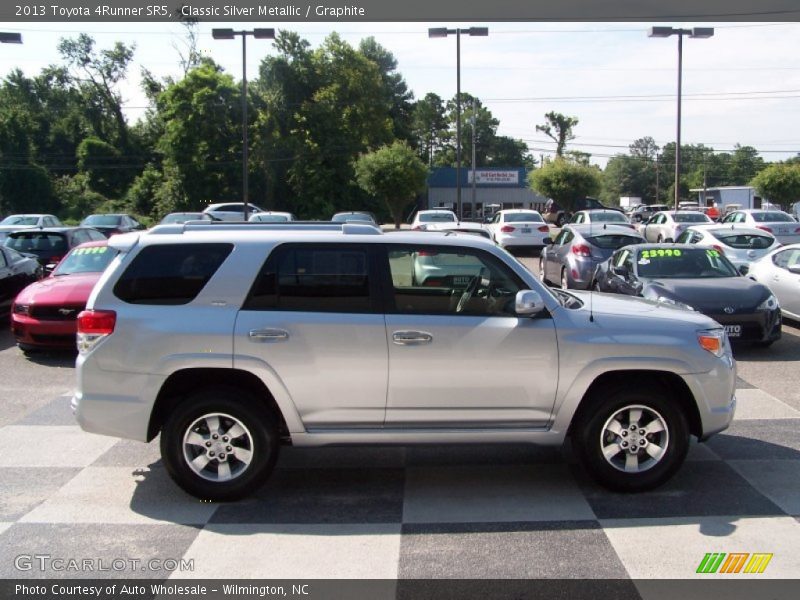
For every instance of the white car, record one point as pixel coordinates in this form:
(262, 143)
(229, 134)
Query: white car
(666, 226)
(439, 216)
(780, 224)
(272, 216)
(601, 215)
(740, 245)
(780, 272)
(519, 227)
(17, 222)
(231, 211)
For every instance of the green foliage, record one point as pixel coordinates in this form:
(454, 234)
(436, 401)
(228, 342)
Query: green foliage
(565, 181)
(779, 182)
(103, 165)
(142, 195)
(394, 173)
(75, 197)
(429, 127)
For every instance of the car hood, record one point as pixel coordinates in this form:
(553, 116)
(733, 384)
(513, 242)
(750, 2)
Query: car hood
(620, 306)
(710, 295)
(66, 289)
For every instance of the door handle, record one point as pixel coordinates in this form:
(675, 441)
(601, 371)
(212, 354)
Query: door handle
(268, 335)
(411, 338)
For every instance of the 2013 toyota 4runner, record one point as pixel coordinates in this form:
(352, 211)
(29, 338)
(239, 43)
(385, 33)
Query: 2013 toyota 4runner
(232, 339)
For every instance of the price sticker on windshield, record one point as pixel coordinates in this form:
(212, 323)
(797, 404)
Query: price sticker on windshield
(659, 253)
(714, 253)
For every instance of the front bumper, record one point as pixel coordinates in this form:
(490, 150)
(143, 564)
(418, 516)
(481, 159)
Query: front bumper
(30, 331)
(759, 326)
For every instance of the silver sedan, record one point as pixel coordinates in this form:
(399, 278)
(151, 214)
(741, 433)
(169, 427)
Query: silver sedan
(575, 253)
(780, 272)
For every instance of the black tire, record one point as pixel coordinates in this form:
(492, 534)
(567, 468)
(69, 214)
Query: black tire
(241, 405)
(589, 436)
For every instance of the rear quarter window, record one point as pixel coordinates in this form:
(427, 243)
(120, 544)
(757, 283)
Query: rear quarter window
(171, 273)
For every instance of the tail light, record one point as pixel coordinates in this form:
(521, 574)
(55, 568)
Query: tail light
(718, 248)
(764, 228)
(507, 229)
(93, 326)
(582, 250)
(427, 253)
(544, 229)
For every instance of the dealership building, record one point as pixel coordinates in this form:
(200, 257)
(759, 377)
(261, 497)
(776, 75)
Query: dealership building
(494, 189)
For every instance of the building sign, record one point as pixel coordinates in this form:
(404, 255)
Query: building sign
(494, 177)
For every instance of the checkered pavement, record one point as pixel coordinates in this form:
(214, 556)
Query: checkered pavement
(403, 512)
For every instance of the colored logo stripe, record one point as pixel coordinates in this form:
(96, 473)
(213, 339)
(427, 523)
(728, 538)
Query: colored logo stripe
(734, 562)
(758, 562)
(711, 562)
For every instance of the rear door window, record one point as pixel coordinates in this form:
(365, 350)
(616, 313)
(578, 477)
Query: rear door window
(170, 273)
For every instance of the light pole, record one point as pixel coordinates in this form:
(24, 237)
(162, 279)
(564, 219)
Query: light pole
(697, 32)
(229, 34)
(440, 32)
(474, 170)
(10, 38)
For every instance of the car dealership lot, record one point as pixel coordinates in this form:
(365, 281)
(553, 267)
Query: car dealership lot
(386, 512)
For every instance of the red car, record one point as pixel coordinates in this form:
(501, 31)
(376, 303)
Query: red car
(44, 314)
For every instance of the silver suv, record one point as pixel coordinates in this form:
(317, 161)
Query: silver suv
(230, 340)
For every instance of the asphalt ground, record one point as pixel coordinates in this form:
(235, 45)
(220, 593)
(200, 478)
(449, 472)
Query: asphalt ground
(465, 512)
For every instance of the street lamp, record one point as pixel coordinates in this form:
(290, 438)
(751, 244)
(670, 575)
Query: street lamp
(440, 32)
(696, 32)
(229, 34)
(10, 38)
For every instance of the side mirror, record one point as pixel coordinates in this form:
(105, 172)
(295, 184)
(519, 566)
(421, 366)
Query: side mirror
(528, 303)
(744, 269)
(794, 269)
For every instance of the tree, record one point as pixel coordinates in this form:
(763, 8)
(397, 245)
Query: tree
(394, 173)
(565, 181)
(104, 167)
(779, 182)
(429, 127)
(559, 129)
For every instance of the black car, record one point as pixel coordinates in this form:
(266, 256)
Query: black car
(50, 244)
(700, 279)
(112, 223)
(17, 271)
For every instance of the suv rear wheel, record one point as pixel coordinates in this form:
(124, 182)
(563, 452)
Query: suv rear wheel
(632, 440)
(219, 444)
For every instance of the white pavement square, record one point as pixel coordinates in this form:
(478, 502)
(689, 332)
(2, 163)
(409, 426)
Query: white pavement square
(674, 548)
(493, 494)
(778, 480)
(50, 446)
(757, 404)
(121, 495)
(370, 551)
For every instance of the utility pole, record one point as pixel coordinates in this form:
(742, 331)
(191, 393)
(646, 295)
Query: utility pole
(658, 169)
(474, 171)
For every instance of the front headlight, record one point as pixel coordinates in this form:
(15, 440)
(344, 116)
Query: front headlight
(673, 302)
(712, 340)
(22, 309)
(770, 303)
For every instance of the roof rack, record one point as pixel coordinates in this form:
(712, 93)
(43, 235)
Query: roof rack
(199, 225)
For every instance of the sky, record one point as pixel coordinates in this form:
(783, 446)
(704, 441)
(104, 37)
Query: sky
(740, 86)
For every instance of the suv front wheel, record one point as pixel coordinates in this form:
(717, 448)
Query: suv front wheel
(219, 444)
(632, 441)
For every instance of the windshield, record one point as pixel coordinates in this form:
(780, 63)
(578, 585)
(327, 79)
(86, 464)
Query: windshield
(183, 217)
(523, 217)
(346, 217)
(772, 217)
(608, 217)
(691, 218)
(101, 221)
(37, 242)
(93, 259)
(745, 241)
(274, 218)
(683, 263)
(441, 217)
(18, 220)
(613, 241)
